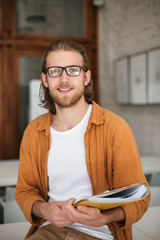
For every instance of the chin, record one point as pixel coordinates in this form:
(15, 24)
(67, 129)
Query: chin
(66, 102)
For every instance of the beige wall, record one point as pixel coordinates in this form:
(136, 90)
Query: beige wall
(127, 27)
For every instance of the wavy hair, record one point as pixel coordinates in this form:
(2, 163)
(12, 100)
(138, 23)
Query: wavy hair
(66, 45)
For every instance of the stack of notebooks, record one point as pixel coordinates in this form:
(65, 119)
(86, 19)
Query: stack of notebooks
(116, 198)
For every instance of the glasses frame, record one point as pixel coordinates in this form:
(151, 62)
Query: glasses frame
(65, 68)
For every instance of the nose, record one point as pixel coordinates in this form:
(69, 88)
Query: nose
(64, 77)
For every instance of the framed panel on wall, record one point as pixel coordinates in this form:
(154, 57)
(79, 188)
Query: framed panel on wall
(138, 79)
(122, 80)
(154, 76)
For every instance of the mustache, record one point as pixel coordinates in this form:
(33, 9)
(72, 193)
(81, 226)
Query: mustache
(65, 86)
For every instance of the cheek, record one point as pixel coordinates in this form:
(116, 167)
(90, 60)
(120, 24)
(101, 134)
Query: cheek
(51, 85)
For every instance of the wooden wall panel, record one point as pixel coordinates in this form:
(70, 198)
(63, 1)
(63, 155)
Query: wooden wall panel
(1, 108)
(12, 47)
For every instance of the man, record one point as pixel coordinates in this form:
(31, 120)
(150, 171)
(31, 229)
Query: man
(78, 148)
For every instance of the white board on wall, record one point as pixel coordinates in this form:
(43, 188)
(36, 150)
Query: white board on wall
(154, 76)
(138, 79)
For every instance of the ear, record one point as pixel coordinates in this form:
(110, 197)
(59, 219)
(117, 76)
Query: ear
(44, 79)
(87, 77)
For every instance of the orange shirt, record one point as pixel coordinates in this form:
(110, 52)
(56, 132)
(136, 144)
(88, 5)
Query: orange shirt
(112, 160)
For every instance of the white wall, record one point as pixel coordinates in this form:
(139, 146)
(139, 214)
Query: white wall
(127, 27)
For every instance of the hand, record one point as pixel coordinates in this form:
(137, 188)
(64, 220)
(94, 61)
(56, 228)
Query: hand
(64, 214)
(92, 216)
(53, 213)
(82, 214)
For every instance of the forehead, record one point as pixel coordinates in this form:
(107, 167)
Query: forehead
(64, 58)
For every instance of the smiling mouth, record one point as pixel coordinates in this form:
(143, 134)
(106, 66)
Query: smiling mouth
(64, 89)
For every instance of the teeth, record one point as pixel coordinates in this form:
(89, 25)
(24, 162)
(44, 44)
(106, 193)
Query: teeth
(64, 89)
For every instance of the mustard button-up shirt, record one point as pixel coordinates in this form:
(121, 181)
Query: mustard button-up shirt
(112, 160)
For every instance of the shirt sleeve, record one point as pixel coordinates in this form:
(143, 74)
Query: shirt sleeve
(28, 188)
(127, 169)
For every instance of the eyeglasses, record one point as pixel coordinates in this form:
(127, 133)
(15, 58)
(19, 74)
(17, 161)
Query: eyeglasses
(72, 71)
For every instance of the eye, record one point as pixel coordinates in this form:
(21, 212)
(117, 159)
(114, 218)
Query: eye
(54, 71)
(73, 70)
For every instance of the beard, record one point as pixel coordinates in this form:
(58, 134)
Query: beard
(68, 101)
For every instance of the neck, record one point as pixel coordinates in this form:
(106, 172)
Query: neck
(67, 118)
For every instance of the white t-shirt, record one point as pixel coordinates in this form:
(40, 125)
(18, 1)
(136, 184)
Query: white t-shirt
(67, 171)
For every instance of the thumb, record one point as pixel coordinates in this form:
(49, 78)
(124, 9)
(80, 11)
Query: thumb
(82, 209)
(71, 200)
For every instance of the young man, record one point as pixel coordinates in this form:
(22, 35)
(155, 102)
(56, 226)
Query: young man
(77, 149)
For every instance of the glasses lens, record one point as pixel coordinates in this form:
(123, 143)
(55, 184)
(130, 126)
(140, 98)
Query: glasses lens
(73, 71)
(54, 72)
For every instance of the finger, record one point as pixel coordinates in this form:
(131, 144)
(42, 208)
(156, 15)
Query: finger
(69, 204)
(86, 210)
(59, 203)
(82, 208)
(71, 201)
(89, 212)
(72, 212)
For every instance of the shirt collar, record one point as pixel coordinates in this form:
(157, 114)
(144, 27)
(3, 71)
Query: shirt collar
(95, 118)
(45, 123)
